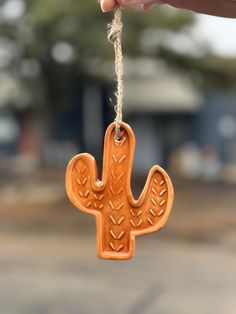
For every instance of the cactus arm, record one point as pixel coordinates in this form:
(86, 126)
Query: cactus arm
(151, 211)
(83, 188)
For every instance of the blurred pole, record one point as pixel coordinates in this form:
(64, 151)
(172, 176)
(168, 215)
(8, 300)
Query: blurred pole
(93, 120)
(149, 148)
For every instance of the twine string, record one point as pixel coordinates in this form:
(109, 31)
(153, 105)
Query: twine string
(114, 36)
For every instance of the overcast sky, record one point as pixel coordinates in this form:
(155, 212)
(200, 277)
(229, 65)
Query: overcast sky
(219, 32)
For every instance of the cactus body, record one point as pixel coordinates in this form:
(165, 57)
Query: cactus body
(119, 216)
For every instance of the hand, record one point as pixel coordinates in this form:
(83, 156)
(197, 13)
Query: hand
(224, 8)
(140, 5)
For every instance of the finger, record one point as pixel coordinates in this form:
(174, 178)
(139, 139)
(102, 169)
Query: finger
(224, 8)
(107, 5)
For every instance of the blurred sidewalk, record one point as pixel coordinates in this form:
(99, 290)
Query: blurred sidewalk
(48, 261)
(56, 274)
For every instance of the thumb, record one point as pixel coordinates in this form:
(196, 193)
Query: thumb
(107, 5)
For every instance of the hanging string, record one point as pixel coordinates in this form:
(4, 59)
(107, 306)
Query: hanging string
(114, 36)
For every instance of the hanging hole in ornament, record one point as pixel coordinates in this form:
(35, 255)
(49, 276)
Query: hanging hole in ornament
(119, 135)
(118, 138)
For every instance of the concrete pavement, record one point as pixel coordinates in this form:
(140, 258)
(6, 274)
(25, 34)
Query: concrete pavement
(55, 274)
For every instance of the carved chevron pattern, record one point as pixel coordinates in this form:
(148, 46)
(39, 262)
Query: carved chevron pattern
(154, 203)
(116, 248)
(117, 232)
(118, 214)
(117, 177)
(115, 221)
(115, 192)
(98, 197)
(116, 206)
(117, 160)
(117, 237)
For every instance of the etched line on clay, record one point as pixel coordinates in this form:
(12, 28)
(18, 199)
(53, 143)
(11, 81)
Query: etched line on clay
(83, 169)
(113, 235)
(113, 220)
(163, 192)
(160, 213)
(122, 159)
(114, 158)
(111, 205)
(132, 212)
(132, 223)
(112, 246)
(121, 220)
(139, 223)
(162, 202)
(123, 142)
(120, 176)
(139, 213)
(112, 191)
(152, 212)
(120, 248)
(154, 191)
(150, 221)
(154, 202)
(120, 236)
(86, 193)
(119, 206)
(113, 174)
(120, 191)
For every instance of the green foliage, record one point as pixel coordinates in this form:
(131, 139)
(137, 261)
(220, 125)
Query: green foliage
(83, 26)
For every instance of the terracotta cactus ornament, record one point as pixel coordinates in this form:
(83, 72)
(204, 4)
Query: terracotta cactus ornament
(119, 216)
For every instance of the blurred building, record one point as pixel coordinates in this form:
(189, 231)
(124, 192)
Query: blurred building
(175, 124)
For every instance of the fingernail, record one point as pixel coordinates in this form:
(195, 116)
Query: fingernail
(102, 5)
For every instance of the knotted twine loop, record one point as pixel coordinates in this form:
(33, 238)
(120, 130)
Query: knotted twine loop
(114, 36)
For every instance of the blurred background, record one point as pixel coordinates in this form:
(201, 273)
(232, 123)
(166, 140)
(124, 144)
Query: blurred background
(56, 100)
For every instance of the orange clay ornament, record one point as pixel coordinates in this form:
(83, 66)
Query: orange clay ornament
(119, 217)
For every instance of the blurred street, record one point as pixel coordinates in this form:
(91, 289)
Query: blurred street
(60, 274)
(48, 258)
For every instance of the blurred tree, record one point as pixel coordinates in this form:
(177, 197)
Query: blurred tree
(55, 46)
(60, 44)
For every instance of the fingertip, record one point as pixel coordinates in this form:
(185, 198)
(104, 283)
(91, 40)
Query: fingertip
(107, 5)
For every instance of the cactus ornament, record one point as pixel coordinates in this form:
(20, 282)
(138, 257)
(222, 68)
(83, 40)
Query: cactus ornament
(119, 217)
